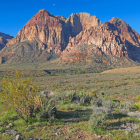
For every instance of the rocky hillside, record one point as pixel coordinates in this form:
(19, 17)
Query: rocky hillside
(4, 39)
(54, 31)
(81, 37)
(115, 38)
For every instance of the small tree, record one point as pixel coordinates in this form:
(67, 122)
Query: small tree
(18, 95)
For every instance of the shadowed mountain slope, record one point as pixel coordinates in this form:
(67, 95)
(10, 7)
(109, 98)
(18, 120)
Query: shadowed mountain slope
(4, 39)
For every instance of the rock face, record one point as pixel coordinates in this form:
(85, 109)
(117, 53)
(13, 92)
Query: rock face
(54, 31)
(80, 22)
(4, 38)
(73, 39)
(43, 27)
(115, 38)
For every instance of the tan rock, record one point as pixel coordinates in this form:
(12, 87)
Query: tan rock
(115, 37)
(43, 27)
(81, 21)
(73, 38)
(54, 31)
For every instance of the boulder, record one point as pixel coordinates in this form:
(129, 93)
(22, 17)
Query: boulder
(17, 137)
(11, 132)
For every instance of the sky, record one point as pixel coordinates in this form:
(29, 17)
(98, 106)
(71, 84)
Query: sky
(14, 14)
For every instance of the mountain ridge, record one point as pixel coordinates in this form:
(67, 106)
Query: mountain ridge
(73, 39)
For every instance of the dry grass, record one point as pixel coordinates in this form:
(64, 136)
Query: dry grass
(123, 70)
(120, 85)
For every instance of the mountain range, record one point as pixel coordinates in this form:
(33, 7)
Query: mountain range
(78, 38)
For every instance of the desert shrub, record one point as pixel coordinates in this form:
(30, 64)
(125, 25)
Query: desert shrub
(127, 105)
(101, 102)
(136, 106)
(20, 95)
(137, 99)
(85, 97)
(97, 102)
(45, 108)
(104, 110)
(65, 97)
(111, 104)
(101, 110)
(73, 96)
(97, 119)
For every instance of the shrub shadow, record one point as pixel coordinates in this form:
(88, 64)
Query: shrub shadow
(74, 116)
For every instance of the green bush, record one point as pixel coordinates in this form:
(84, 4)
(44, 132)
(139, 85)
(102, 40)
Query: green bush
(127, 105)
(109, 103)
(20, 95)
(97, 119)
(73, 96)
(136, 106)
(98, 102)
(46, 109)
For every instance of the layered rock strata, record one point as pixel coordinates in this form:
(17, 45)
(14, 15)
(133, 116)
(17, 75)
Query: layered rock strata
(54, 31)
(74, 39)
(115, 38)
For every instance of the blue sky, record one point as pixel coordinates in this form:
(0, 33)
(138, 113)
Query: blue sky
(16, 13)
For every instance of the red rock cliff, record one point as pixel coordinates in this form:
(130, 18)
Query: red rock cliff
(115, 37)
(54, 31)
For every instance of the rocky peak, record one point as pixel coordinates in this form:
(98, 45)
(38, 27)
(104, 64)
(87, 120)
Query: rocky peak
(121, 25)
(117, 20)
(125, 31)
(43, 27)
(40, 19)
(54, 31)
(115, 38)
(81, 21)
(42, 12)
(79, 35)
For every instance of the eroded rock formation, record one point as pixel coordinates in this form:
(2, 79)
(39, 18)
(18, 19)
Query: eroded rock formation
(54, 31)
(74, 39)
(115, 38)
